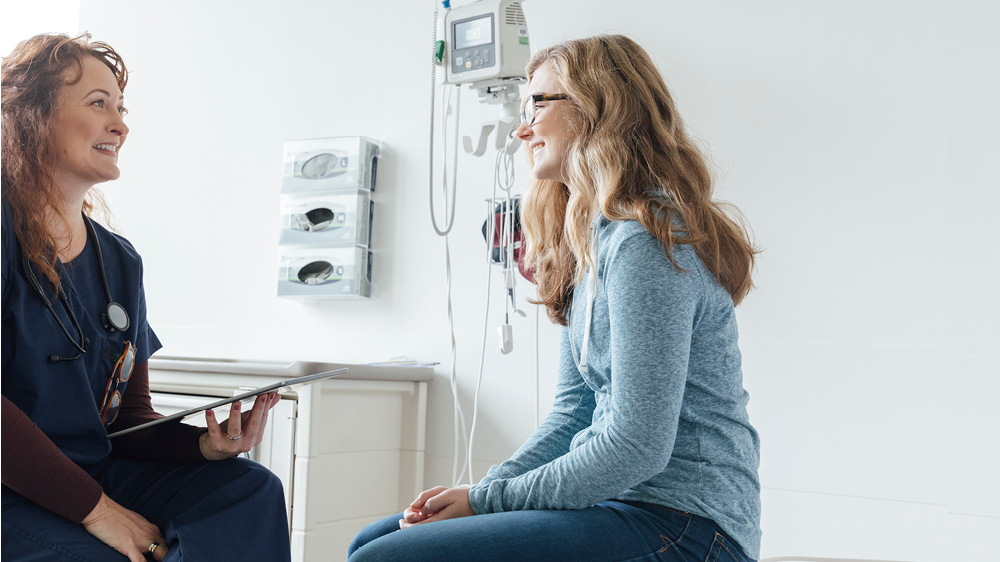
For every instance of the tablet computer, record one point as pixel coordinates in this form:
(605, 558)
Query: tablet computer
(288, 384)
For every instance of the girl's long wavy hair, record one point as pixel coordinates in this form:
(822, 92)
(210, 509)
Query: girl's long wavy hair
(631, 159)
(31, 79)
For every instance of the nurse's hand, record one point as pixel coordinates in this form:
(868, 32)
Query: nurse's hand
(123, 530)
(437, 504)
(239, 433)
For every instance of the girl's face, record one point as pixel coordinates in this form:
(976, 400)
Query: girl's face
(555, 126)
(89, 130)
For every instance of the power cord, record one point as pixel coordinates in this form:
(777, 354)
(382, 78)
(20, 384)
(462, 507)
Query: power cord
(507, 241)
(449, 209)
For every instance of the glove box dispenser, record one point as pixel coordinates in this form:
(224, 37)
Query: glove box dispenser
(329, 164)
(326, 220)
(323, 272)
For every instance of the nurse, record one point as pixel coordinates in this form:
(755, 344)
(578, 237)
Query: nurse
(648, 452)
(76, 344)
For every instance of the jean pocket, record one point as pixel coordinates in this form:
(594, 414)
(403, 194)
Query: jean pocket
(723, 550)
(671, 524)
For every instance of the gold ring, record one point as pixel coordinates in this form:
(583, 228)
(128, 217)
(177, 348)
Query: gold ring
(153, 547)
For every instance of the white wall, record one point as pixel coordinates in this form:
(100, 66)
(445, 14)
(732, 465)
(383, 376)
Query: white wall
(24, 19)
(858, 137)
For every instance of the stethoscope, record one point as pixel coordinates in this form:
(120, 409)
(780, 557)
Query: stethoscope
(114, 318)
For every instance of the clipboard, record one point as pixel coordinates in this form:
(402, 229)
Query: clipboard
(288, 384)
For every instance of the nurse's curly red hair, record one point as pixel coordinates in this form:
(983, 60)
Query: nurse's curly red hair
(31, 79)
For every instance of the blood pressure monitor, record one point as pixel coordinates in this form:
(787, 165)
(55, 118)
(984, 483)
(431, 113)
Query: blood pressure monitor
(486, 41)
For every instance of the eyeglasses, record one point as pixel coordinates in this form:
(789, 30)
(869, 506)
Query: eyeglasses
(120, 373)
(530, 109)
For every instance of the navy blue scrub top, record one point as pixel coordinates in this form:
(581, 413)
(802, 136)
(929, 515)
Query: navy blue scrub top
(63, 398)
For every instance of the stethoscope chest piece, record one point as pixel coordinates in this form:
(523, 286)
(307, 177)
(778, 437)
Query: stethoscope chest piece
(115, 318)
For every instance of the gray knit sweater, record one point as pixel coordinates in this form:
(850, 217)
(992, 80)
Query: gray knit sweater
(661, 415)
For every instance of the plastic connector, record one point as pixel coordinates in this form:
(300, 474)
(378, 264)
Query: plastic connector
(508, 278)
(506, 338)
(439, 52)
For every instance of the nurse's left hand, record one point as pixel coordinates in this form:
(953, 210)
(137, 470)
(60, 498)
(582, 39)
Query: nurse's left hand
(239, 433)
(442, 503)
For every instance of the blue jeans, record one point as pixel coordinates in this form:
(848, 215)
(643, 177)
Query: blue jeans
(224, 510)
(611, 531)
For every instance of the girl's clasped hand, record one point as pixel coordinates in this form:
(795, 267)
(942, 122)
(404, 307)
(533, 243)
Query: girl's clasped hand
(437, 504)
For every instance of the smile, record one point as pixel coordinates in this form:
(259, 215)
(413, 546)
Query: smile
(537, 147)
(111, 147)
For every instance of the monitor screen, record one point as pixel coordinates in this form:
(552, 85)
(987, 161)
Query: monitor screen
(473, 33)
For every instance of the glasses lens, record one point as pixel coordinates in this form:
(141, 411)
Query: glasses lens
(112, 412)
(529, 112)
(127, 362)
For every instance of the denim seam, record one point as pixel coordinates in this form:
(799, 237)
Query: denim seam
(650, 556)
(669, 542)
(721, 541)
(737, 558)
(55, 548)
(641, 557)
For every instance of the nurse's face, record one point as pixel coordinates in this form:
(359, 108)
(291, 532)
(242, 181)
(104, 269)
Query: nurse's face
(88, 128)
(555, 126)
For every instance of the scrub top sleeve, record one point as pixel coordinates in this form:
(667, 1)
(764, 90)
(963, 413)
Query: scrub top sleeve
(35, 468)
(146, 345)
(168, 442)
(146, 341)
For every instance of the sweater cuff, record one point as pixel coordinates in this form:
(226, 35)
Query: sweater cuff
(478, 499)
(88, 497)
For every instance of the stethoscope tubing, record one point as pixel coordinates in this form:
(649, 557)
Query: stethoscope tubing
(82, 345)
(108, 319)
